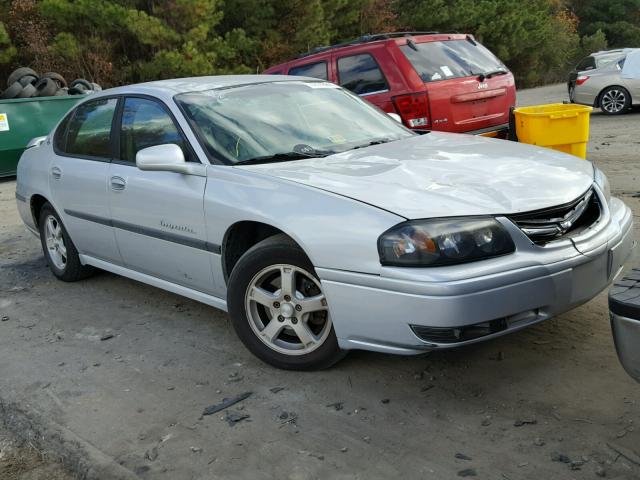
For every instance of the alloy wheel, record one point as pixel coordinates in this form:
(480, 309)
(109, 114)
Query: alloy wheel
(614, 101)
(287, 309)
(55, 242)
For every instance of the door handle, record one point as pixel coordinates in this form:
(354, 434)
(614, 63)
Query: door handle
(118, 184)
(56, 172)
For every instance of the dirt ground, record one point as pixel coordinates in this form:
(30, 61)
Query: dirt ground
(21, 462)
(550, 401)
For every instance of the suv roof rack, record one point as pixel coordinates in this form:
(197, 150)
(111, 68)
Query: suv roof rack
(368, 38)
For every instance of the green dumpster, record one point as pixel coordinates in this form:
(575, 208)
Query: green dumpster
(22, 119)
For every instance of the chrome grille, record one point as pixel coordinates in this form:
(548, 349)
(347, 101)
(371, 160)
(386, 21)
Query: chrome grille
(546, 225)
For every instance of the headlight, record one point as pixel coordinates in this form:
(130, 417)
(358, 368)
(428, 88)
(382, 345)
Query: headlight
(603, 182)
(430, 243)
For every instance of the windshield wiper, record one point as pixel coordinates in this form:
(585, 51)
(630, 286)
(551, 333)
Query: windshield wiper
(285, 156)
(378, 141)
(500, 71)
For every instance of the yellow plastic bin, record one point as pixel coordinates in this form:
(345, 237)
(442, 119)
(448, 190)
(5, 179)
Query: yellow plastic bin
(563, 127)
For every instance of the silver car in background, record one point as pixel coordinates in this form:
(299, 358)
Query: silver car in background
(318, 222)
(607, 80)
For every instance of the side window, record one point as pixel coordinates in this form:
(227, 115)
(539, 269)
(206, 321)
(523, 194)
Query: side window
(145, 123)
(361, 74)
(89, 133)
(60, 137)
(315, 70)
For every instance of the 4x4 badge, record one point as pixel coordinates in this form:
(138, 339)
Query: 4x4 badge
(482, 86)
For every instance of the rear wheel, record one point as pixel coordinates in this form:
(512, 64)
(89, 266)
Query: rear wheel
(615, 100)
(278, 307)
(59, 250)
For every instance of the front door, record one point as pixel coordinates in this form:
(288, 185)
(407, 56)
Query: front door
(78, 178)
(158, 217)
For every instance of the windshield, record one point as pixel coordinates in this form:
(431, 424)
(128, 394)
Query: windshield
(285, 121)
(451, 59)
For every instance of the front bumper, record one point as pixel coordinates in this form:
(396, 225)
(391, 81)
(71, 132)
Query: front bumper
(624, 307)
(392, 311)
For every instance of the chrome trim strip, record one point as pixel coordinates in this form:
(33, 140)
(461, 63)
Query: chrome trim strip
(149, 232)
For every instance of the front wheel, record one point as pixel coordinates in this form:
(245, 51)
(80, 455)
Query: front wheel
(278, 307)
(615, 100)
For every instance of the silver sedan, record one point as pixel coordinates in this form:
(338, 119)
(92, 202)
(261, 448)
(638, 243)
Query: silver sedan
(318, 222)
(611, 84)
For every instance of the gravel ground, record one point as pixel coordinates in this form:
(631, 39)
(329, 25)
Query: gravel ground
(550, 401)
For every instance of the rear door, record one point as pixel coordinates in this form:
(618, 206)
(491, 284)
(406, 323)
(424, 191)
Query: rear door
(158, 217)
(630, 72)
(78, 173)
(361, 71)
(462, 98)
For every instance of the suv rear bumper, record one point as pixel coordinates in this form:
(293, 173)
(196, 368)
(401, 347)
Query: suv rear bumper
(498, 131)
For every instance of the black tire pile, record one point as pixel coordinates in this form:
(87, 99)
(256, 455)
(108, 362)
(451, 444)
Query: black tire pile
(26, 83)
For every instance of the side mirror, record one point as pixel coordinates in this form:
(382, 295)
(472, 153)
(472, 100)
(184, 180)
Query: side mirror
(167, 158)
(396, 117)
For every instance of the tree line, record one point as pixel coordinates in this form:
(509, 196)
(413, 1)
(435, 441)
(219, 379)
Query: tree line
(114, 42)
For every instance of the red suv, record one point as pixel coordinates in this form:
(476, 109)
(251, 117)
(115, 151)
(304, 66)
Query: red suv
(434, 81)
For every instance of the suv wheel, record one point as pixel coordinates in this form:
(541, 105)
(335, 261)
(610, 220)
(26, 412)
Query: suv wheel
(59, 250)
(278, 308)
(615, 100)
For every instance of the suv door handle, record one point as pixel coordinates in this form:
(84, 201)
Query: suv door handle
(118, 184)
(56, 172)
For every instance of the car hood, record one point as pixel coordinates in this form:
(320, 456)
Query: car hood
(442, 174)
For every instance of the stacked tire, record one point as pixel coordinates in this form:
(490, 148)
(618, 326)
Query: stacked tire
(26, 83)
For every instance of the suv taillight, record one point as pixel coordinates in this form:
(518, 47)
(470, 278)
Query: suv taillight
(413, 109)
(581, 79)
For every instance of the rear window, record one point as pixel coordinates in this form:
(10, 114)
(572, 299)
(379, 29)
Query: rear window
(451, 59)
(361, 74)
(588, 63)
(315, 70)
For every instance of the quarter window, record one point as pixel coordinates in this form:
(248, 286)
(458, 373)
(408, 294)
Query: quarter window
(145, 123)
(89, 132)
(361, 74)
(315, 70)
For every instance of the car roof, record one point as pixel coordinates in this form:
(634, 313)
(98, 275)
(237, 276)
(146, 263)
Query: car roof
(200, 84)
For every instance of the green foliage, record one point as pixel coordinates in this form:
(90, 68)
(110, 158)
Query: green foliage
(122, 41)
(619, 20)
(7, 50)
(593, 43)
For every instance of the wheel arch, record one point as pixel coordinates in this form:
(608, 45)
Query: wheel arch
(36, 203)
(243, 235)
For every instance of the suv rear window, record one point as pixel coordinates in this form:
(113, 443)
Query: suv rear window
(361, 74)
(451, 59)
(315, 70)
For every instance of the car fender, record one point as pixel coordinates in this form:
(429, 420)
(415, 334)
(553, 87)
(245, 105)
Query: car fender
(334, 231)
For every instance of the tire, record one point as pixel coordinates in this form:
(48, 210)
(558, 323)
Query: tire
(12, 92)
(28, 91)
(18, 73)
(81, 84)
(95, 87)
(263, 266)
(28, 80)
(46, 87)
(63, 260)
(62, 92)
(56, 77)
(614, 100)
